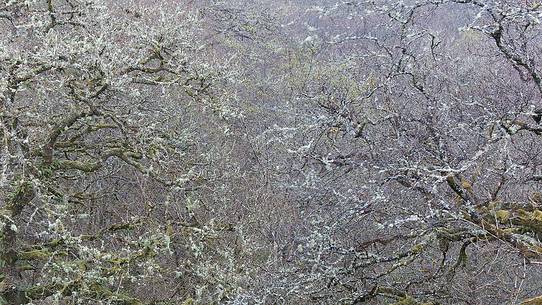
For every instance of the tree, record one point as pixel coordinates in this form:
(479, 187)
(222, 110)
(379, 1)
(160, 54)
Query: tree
(258, 152)
(99, 109)
(419, 155)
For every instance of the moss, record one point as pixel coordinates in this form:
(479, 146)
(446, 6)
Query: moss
(408, 300)
(115, 298)
(35, 255)
(524, 215)
(25, 267)
(77, 165)
(119, 260)
(82, 264)
(503, 216)
(22, 193)
(188, 301)
(466, 185)
(462, 259)
(417, 249)
(531, 220)
(513, 230)
(533, 301)
(537, 215)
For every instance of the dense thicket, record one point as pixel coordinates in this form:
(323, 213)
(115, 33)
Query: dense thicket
(270, 152)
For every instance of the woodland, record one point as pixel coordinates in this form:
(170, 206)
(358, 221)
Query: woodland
(186, 152)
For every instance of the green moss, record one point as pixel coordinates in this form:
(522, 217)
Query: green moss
(503, 216)
(533, 301)
(86, 167)
(531, 220)
(35, 255)
(408, 300)
(188, 301)
(417, 249)
(23, 188)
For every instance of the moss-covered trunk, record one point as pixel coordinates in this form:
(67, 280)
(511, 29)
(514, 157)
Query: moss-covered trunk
(10, 293)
